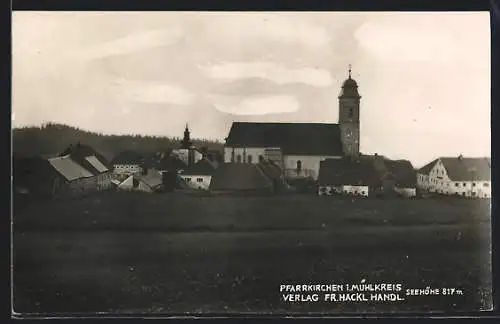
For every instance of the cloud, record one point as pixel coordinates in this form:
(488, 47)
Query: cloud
(150, 92)
(269, 70)
(257, 105)
(423, 38)
(271, 26)
(132, 43)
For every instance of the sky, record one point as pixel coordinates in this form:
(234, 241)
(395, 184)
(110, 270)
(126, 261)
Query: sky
(424, 78)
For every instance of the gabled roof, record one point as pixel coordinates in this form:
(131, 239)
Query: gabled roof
(359, 172)
(68, 168)
(403, 171)
(239, 177)
(153, 178)
(426, 169)
(98, 165)
(202, 167)
(88, 158)
(292, 138)
(467, 169)
(128, 157)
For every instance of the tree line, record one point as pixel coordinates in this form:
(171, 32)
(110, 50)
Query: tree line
(53, 138)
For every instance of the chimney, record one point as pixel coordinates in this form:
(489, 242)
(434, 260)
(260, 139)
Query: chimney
(190, 156)
(376, 154)
(460, 157)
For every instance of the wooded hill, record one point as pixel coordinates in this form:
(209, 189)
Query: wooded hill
(53, 138)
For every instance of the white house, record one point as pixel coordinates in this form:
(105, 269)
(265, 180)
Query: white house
(459, 176)
(199, 175)
(298, 148)
(127, 163)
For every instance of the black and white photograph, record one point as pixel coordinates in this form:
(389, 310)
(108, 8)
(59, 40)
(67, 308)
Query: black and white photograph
(210, 163)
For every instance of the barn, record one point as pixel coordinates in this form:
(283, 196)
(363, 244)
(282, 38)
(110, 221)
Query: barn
(91, 160)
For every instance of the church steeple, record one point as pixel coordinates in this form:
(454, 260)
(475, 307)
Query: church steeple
(349, 115)
(186, 141)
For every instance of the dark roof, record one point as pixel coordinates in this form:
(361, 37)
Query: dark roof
(350, 89)
(128, 157)
(82, 154)
(239, 177)
(170, 163)
(345, 171)
(292, 138)
(202, 167)
(271, 169)
(426, 169)
(403, 171)
(467, 169)
(32, 171)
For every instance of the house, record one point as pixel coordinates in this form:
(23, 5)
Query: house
(240, 178)
(346, 176)
(298, 148)
(457, 176)
(127, 163)
(149, 181)
(34, 177)
(366, 175)
(74, 179)
(92, 161)
(199, 175)
(404, 175)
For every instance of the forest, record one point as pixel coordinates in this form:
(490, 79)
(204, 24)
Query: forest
(52, 138)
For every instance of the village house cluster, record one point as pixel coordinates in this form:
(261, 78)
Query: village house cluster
(323, 158)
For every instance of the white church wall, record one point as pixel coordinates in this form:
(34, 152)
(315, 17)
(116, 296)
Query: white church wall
(309, 162)
(254, 152)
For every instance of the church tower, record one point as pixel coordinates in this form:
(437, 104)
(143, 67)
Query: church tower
(186, 141)
(349, 101)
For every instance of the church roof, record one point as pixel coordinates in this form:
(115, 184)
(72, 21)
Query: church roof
(350, 87)
(292, 138)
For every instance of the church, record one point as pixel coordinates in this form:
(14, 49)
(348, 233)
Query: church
(298, 148)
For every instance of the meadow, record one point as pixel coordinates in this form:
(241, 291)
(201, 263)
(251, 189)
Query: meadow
(180, 254)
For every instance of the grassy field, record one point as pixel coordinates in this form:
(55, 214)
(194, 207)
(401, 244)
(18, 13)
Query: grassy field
(177, 254)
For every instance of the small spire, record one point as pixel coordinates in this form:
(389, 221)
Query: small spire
(186, 126)
(350, 69)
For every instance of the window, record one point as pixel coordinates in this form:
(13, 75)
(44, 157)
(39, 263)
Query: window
(261, 158)
(486, 184)
(456, 184)
(464, 184)
(188, 179)
(250, 158)
(232, 156)
(199, 179)
(299, 165)
(350, 112)
(238, 158)
(473, 184)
